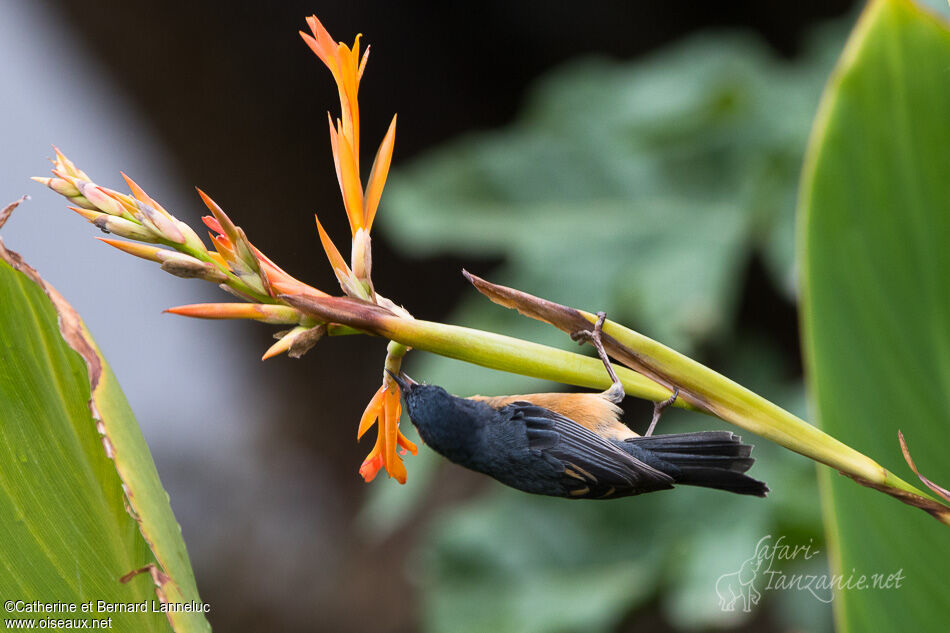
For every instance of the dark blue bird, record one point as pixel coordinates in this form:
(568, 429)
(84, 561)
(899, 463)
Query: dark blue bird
(538, 450)
(573, 444)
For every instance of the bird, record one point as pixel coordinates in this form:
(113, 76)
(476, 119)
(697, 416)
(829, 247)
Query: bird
(574, 445)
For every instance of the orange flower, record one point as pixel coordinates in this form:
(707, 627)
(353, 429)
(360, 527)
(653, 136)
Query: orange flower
(386, 407)
(347, 67)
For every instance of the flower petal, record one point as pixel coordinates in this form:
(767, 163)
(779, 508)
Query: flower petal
(336, 260)
(377, 175)
(372, 412)
(350, 182)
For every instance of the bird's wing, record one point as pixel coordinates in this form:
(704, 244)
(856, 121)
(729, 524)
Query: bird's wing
(593, 466)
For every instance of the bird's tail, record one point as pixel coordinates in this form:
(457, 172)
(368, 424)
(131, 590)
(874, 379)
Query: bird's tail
(712, 459)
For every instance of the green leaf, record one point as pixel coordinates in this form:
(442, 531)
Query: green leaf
(81, 504)
(876, 302)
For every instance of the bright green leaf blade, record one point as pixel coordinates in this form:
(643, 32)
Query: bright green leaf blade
(876, 273)
(67, 534)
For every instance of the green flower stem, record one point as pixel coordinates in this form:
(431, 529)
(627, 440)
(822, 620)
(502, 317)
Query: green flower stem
(495, 351)
(520, 357)
(734, 403)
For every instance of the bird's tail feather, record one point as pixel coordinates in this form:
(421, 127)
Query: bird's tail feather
(712, 459)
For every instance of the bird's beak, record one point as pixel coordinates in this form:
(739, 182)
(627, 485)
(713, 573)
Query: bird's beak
(405, 382)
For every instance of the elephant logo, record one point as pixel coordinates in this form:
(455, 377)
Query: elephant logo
(738, 587)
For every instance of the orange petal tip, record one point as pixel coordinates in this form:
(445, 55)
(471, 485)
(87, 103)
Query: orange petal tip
(371, 467)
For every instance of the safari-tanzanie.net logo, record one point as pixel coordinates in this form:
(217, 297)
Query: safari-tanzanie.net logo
(771, 568)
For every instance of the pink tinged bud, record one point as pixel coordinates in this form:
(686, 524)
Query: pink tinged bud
(103, 201)
(129, 210)
(160, 223)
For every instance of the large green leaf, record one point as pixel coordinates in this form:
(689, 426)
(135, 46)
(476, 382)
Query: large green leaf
(81, 504)
(876, 272)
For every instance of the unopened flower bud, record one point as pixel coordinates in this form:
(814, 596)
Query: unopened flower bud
(59, 185)
(362, 256)
(296, 342)
(160, 223)
(65, 165)
(186, 266)
(103, 201)
(191, 238)
(124, 228)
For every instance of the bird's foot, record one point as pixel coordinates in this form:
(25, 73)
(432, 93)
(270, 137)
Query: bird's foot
(658, 409)
(615, 393)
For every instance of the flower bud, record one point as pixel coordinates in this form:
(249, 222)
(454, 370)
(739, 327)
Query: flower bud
(362, 257)
(188, 267)
(191, 238)
(160, 223)
(59, 185)
(124, 228)
(103, 201)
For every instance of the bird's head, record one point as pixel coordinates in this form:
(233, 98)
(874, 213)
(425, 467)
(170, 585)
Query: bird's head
(424, 403)
(447, 423)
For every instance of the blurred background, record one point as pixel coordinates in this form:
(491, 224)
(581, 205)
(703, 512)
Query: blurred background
(640, 158)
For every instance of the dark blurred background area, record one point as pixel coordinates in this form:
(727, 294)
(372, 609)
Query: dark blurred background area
(636, 157)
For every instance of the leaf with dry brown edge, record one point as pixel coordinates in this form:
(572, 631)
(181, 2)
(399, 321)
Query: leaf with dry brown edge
(708, 391)
(940, 490)
(81, 504)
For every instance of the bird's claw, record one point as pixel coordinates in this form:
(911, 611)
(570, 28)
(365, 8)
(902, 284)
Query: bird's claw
(615, 393)
(658, 409)
(591, 336)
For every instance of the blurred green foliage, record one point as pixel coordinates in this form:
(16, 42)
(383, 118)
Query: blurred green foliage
(644, 189)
